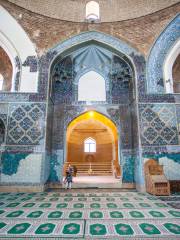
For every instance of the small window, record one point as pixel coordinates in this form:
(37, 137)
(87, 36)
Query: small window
(89, 145)
(92, 11)
(91, 87)
(1, 82)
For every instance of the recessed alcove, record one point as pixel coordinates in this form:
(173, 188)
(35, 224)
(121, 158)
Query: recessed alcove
(92, 144)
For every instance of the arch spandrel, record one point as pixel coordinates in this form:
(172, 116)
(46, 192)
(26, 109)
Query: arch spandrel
(97, 37)
(21, 51)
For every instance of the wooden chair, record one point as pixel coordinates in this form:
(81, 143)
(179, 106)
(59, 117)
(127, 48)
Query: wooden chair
(156, 181)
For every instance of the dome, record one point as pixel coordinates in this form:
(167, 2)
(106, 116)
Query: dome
(75, 10)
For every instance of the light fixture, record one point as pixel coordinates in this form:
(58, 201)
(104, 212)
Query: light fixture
(91, 113)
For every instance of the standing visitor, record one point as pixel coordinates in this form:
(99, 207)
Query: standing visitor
(68, 180)
(70, 169)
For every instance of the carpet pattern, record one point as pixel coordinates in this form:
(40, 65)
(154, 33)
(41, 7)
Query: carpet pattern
(173, 201)
(86, 216)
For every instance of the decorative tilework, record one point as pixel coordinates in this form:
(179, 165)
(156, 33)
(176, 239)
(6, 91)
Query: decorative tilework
(178, 116)
(65, 115)
(3, 117)
(158, 54)
(158, 125)
(26, 123)
(17, 76)
(14, 97)
(96, 36)
(2, 129)
(114, 114)
(62, 77)
(121, 81)
(115, 69)
(31, 62)
(72, 112)
(46, 60)
(26, 120)
(10, 162)
(127, 165)
(56, 166)
(125, 126)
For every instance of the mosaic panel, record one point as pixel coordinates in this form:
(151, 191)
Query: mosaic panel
(17, 76)
(10, 162)
(2, 128)
(56, 166)
(3, 108)
(113, 113)
(125, 126)
(62, 77)
(71, 112)
(178, 116)
(26, 123)
(127, 164)
(121, 80)
(21, 168)
(158, 125)
(3, 117)
(31, 62)
(13, 97)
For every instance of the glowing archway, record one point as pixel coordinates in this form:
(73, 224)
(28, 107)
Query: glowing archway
(103, 133)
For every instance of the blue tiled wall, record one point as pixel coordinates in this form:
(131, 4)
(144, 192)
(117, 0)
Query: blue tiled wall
(155, 134)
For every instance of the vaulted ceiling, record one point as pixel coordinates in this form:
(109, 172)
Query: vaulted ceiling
(110, 10)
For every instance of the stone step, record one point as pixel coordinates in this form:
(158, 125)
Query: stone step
(94, 174)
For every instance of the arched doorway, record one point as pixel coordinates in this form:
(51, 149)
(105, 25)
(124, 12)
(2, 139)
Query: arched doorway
(111, 69)
(92, 146)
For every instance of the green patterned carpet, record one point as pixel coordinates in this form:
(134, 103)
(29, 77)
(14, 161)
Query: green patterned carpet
(116, 215)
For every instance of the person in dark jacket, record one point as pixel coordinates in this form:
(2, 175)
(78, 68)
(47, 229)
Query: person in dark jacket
(68, 180)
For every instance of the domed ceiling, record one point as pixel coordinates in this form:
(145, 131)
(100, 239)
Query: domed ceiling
(110, 10)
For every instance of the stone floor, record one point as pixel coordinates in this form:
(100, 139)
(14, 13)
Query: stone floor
(97, 181)
(87, 214)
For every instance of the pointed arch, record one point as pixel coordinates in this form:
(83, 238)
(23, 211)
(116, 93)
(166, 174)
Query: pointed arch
(21, 52)
(156, 82)
(91, 87)
(131, 55)
(92, 137)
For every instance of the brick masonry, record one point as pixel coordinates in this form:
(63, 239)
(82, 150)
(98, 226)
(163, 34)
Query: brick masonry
(46, 32)
(5, 70)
